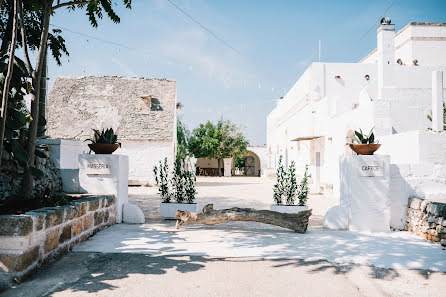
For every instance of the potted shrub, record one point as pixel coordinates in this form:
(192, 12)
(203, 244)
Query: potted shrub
(104, 142)
(364, 144)
(287, 188)
(181, 187)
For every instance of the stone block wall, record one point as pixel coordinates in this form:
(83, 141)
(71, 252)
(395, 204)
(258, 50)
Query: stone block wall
(39, 236)
(427, 219)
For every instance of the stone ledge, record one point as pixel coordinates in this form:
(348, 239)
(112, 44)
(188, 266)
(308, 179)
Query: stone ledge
(15, 225)
(39, 236)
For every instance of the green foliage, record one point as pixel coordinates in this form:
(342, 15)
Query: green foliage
(105, 136)
(183, 135)
(222, 140)
(17, 119)
(361, 138)
(304, 189)
(279, 187)
(162, 180)
(287, 187)
(291, 184)
(240, 162)
(179, 181)
(190, 186)
(181, 186)
(429, 116)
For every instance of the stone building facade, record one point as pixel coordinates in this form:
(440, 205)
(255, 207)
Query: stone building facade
(142, 112)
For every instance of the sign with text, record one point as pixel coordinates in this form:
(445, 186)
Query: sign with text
(371, 168)
(95, 166)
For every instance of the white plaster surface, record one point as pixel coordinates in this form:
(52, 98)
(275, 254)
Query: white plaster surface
(366, 198)
(115, 183)
(288, 208)
(336, 218)
(132, 214)
(227, 165)
(168, 210)
(389, 250)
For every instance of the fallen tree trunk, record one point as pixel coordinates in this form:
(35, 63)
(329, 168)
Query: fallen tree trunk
(297, 222)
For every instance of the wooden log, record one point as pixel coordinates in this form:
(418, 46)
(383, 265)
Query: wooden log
(297, 222)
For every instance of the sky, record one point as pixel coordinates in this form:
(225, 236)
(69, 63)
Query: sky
(266, 47)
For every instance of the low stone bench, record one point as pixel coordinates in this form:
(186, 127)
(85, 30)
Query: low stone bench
(427, 219)
(39, 236)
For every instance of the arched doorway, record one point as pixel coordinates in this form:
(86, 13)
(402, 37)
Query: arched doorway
(251, 165)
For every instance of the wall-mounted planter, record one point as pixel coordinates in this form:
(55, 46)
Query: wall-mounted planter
(288, 208)
(168, 210)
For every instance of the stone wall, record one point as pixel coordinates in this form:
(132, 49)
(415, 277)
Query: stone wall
(39, 236)
(138, 109)
(11, 175)
(427, 219)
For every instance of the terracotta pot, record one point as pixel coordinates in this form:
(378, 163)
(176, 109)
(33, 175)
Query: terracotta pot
(103, 148)
(365, 149)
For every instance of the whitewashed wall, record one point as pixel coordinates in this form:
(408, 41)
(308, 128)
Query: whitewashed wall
(420, 41)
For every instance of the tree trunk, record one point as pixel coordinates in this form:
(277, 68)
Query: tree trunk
(296, 222)
(27, 182)
(219, 166)
(42, 99)
(5, 94)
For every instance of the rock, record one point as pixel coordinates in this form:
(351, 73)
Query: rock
(436, 209)
(132, 214)
(52, 240)
(65, 234)
(415, 203)
(336, 218)
(98, 218)
(15, 225)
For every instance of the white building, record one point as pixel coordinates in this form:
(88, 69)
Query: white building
(310, 124)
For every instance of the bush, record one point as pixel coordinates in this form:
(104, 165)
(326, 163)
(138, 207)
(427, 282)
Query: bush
(304, 190)
(279, 187)
(162, 180)
(181, 186)
(288, 187)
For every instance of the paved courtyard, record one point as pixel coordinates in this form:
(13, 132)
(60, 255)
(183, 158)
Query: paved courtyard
(240, 259)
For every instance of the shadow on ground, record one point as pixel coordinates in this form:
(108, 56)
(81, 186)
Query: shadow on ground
(98, 272)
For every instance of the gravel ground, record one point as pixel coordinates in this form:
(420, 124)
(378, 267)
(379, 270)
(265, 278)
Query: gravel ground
(227, 192)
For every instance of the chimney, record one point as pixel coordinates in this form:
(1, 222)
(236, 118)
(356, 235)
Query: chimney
(386, 54)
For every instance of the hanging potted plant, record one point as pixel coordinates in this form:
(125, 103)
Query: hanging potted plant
(181, 187)
(287, 188)
(364, 144)
(104, 142)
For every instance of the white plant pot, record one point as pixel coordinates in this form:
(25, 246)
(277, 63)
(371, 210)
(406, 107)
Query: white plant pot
(168, 210)
(288, 208)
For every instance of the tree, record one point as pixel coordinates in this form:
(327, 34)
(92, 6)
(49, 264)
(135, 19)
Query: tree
(35, 35)
(222, 140)
(183, 136)
(9, 73)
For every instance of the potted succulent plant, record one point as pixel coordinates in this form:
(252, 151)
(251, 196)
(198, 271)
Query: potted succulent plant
(104, 142)
(287, 188)
(364, 144)
(181, 187)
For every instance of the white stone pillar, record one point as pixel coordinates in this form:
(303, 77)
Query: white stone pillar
(365, 186)
(437, 101)
(227, 165)
(105, 174)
